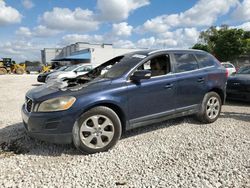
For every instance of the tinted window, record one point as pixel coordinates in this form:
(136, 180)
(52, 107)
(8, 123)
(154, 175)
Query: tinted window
(185, 62)
(72, 67)
(244, 70)
(227, 65)
(204, 60)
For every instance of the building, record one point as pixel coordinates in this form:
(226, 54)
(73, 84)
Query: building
(47, 54)
(82, 52)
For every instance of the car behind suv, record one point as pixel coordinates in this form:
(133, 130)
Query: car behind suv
(139, 89)
(70, 72)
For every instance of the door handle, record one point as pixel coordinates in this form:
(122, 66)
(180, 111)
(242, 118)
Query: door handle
(168, 86)
(201, 80)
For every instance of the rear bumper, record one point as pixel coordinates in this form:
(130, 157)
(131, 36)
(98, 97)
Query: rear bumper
(237, 95)
(50, 127)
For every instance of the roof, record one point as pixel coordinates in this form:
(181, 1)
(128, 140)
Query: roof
(152, 51)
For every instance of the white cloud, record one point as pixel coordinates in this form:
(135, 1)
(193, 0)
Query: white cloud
(73, 38)
(78, 20)
(24, 31)
(203, 13)
(28, 4)
(43, 31)
(179, 38)
(21, 50)
(39, 31)
(242, 12)
(244, 26)
(146, 42)
(122, 29)
(9, 15)
(113, 10)
(124, 44)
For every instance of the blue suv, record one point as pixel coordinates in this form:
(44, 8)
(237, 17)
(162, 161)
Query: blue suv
(128, 91)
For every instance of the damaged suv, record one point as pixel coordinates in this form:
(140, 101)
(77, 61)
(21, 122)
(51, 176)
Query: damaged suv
(139, 89)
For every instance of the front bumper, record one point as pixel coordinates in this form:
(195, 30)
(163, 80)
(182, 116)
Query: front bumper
(54, 127)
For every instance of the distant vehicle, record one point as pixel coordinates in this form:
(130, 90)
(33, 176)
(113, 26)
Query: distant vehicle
(42, 77)
(7, 66)
(138, 89)
(229, 67)
(238, 85)
(70, 72)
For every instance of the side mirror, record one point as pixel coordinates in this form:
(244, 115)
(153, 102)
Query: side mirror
(140, 75)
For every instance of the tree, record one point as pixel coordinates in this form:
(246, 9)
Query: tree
(225, 43)
(200, 46)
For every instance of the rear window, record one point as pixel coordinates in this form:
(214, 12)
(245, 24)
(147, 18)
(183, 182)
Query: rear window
(185, 62)
(205, 60)
(227, 65)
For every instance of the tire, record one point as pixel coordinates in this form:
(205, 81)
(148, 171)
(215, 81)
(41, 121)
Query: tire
(210, 108)
(19, 71)
(3, 71)
(97, 130)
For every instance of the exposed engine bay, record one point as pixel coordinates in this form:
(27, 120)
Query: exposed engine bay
(81, 81)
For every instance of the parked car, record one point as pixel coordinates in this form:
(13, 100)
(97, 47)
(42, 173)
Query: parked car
(70, 72)
(238, 85)
(229, 67)
(42, 77)
(140, 88)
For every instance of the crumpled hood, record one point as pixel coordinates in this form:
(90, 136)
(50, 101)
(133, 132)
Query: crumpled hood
(61, 88)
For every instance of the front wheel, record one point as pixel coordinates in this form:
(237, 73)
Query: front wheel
(97, 130)
(210, 108)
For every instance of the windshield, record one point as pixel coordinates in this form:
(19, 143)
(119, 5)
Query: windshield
(62, 68)
(122, 66)
(70, 68)
(244, 70)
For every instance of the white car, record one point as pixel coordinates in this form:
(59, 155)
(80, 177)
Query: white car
(70, 72)
(230, 67)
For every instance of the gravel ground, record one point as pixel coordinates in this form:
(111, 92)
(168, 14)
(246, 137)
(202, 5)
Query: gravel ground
(176, 153)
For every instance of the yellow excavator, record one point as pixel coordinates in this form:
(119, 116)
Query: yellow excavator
(8, 66)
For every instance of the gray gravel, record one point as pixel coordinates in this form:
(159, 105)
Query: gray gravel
(176, 153)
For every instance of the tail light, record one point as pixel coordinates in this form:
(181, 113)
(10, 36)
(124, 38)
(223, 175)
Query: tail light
(227, 73)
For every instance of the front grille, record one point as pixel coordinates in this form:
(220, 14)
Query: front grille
(28, 104)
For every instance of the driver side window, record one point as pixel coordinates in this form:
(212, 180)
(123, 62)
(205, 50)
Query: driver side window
(159, 65)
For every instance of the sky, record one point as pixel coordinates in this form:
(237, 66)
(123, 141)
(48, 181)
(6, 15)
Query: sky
(28, 26)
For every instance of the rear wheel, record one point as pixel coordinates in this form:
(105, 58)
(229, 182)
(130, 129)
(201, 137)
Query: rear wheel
(3, 71)
(97, 130)
(19, 71)
(210, 108)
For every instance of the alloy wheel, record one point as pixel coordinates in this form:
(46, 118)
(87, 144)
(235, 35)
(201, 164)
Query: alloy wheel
(213, 107)
(97, 131)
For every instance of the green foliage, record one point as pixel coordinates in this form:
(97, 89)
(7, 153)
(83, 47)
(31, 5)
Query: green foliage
(225, 43)
(200, 46)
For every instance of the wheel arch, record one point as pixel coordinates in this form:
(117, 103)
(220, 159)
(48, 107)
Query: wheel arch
(116, 108)
(220, 92)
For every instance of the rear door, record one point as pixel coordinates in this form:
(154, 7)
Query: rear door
(191, 81)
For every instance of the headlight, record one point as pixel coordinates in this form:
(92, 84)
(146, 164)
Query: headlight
(56, 104)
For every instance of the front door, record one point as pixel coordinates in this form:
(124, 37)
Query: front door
(154, 97)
